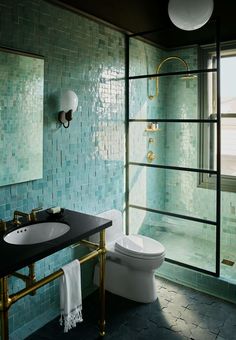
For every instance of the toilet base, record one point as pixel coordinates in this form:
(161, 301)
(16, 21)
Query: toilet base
(127, 282)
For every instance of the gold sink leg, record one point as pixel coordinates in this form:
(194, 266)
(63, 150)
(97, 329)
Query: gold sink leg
(4, 308)
(102, 283)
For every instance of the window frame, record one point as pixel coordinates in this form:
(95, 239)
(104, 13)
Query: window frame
(207, 131)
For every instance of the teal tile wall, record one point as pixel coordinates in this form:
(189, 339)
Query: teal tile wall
(144, 59)
(83, 165)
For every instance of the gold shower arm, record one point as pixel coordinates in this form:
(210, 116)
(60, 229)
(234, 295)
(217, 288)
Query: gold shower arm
(159, 68)
(171, 58)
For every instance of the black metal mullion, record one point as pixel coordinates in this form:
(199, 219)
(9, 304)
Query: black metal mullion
(218, 159)
(177, 73)
(127, 41)
(134, 120)
(188, 266)
(168, 213)
(170, 167)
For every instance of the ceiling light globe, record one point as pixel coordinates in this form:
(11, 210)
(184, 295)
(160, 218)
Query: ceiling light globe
(190, 15)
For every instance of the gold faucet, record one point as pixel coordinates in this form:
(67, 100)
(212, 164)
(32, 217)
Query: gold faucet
(18, 213)
(33, 216)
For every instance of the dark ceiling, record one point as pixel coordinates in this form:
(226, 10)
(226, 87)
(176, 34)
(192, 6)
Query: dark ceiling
(135, 16)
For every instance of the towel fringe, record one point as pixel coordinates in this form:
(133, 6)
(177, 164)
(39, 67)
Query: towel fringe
(71, 319)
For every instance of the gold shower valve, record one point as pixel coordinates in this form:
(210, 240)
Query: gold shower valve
(151, 140)
(150, 156)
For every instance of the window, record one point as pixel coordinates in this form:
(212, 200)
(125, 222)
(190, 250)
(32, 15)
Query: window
(228, 119)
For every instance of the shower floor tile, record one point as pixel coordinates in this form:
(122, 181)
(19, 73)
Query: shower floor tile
(195, 251)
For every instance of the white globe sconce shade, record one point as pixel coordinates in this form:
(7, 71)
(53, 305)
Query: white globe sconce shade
(68, 105)
(190, 15)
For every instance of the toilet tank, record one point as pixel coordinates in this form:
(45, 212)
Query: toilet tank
(115, 231)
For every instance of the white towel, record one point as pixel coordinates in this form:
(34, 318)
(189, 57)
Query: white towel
(70, 295)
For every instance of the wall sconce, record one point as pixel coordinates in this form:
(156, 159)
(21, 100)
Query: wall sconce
(68, 105)
(190, 15)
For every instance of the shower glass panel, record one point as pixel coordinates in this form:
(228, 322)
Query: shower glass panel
(172, 191)
(173, 144)
(167, 110)
(188, 242)
(174, 96)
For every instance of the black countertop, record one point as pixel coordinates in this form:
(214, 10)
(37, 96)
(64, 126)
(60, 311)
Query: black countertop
(15, 257)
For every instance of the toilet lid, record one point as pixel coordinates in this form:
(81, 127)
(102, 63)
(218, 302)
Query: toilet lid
(139, 246)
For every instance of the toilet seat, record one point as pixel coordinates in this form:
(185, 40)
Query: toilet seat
(139, 246)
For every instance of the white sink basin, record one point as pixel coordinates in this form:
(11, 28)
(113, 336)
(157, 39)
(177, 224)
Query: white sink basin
(36, 233)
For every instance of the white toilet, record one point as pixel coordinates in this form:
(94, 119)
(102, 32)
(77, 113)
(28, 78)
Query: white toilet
(130, 262)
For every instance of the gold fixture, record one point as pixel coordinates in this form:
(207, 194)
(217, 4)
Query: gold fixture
(152, 127)
(151, 140)
(7, 300)
(29, 279)
(151, 130)
(150, 156)
(187, 76)
(33, 214)
(17, 214)
(31, 217)
(86, 244)
(3, 225)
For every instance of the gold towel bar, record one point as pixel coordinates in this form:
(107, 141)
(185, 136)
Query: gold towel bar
(85, 243)
(17, 296)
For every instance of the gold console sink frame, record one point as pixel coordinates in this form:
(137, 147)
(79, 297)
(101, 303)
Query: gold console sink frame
(31, 285)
